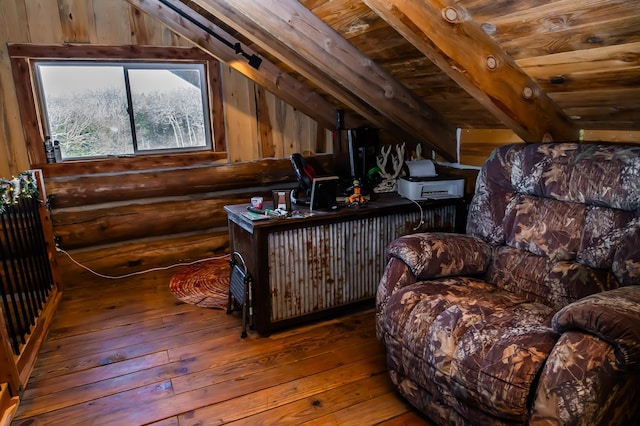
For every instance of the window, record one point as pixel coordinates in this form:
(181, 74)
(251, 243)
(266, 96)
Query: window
(112, 108)
(102, 109)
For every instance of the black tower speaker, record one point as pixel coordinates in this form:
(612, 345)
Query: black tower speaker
(363, 149)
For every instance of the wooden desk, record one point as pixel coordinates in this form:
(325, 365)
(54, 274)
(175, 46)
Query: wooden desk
(305, 268)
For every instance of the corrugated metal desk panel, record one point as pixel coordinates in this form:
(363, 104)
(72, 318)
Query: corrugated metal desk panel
(306, 268)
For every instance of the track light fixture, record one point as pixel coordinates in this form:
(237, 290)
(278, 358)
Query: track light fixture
(254, 60)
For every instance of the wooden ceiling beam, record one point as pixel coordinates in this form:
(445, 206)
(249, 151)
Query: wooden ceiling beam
(293, 34)
(445, 33)
(180, 19)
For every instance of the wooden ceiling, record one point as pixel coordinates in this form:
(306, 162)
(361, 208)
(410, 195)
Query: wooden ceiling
(543, 68)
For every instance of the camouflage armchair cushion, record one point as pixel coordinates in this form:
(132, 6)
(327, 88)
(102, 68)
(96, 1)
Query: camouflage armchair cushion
(564, 218)
(434, 255)
(586, 174)
(613, 316)
(470, 343)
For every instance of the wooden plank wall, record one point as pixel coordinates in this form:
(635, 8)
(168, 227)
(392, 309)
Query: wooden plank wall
(259, 125)
(477, 144)
(146, 218)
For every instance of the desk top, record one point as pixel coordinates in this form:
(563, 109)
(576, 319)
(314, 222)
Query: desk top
(301, 215)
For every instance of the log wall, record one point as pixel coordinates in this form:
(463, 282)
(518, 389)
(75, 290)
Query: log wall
(146, 219)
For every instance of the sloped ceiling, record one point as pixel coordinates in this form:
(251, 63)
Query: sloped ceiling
(543, 68)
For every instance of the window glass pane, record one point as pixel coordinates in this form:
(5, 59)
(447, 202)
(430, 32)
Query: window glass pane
(90, 109)
(86, 109)
(168, 108)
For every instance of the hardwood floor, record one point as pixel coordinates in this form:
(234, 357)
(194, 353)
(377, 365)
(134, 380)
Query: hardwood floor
(126, 352)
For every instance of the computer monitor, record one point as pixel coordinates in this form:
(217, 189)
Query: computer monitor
(323, 193)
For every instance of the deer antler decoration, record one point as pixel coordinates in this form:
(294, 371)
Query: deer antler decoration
(389, 180)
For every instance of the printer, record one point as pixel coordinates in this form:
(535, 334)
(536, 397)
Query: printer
(423, 183)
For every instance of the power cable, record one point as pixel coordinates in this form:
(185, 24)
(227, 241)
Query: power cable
(160, 268)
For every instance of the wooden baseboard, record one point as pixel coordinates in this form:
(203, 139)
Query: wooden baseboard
(8, 405)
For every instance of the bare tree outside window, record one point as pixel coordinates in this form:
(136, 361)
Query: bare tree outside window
(167, 109)
(110, 109)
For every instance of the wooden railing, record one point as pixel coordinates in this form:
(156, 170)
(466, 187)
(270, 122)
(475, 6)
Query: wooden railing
(29, 291)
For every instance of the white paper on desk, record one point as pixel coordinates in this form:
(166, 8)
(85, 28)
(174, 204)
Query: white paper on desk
(421, 168)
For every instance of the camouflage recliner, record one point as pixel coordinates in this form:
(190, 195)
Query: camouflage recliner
(533, 316)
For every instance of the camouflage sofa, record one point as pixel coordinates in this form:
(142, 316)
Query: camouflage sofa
(533, 316)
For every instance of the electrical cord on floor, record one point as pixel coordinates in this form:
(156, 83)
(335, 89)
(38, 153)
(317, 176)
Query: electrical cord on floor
(160, 268)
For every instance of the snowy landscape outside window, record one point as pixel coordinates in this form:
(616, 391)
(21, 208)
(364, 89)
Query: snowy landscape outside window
(115, 109)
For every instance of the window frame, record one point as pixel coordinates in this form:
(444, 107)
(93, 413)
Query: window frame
(23, 59)
(126, 67)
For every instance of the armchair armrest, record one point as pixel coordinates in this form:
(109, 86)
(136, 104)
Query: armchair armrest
(435, 255)
(613, 316)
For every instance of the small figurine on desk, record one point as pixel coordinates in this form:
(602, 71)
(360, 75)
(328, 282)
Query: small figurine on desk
(356, 199)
